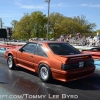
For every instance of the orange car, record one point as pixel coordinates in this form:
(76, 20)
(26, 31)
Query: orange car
(51, 59)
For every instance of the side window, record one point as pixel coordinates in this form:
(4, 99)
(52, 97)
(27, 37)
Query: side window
(30, 47)
(40, 51)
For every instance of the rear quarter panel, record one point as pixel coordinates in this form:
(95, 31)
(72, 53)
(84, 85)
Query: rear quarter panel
(50, 60)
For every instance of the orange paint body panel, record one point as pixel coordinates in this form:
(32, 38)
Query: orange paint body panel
(64, 67)
(71, 75)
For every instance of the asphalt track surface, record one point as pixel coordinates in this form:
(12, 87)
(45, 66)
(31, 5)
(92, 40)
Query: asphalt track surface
(21, 84)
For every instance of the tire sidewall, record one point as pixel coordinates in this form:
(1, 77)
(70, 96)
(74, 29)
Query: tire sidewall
(49, 73)
(13, 65)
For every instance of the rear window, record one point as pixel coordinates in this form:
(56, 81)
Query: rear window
(63, 49)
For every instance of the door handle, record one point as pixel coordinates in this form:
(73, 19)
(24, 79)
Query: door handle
(31, 56)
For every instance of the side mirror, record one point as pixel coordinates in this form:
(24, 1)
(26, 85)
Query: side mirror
(21, 50)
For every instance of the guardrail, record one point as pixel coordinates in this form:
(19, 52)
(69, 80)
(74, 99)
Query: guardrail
(13, 43)
(8, 46)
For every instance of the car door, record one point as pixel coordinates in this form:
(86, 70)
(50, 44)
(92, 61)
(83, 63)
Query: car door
(25, 56)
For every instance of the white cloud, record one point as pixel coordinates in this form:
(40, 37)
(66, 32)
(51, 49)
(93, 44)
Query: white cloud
(29, 6)
(97, 6)
(84, 4)
(60, 5)
(91, 5)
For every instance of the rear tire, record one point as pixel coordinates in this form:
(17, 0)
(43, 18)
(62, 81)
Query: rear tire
(10, 62)
(44, 73)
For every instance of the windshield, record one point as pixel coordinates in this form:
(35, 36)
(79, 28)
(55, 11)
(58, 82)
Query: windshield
(63, 49)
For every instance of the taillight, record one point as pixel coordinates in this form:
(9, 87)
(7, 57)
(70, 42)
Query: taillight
(69, 66)
(89, 62)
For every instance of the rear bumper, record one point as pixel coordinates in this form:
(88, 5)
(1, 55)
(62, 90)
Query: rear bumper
(72, 75)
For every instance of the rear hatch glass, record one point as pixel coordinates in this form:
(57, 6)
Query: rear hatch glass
(63, 49)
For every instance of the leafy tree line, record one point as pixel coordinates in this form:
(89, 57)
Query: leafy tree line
(35, 25)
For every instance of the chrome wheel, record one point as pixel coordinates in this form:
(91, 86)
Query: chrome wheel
(44, 73)
(10, 62)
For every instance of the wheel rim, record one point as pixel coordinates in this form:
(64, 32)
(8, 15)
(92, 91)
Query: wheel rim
(10, 62)
(44, 73)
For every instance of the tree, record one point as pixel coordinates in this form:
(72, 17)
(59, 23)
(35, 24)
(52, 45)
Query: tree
(55, 24)
(85, 26)
(23, 28)
(30, 25)
(65, 25)
(35, 25)
(14, 23)
(39, 21)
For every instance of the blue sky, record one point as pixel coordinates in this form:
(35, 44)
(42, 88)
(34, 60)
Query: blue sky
(15, 9)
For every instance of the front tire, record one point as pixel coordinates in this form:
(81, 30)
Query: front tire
(44, 73)
(10, 62)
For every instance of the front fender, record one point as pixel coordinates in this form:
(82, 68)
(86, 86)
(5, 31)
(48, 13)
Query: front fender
(11, 52)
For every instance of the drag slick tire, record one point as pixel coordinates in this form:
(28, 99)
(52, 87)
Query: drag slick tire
(10, 62)
(44, 73)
